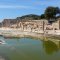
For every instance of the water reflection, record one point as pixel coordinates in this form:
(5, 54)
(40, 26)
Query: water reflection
(2, 57)
(29, 49)
(50, 47)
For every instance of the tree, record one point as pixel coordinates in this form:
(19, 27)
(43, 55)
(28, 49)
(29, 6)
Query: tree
(42, 16)
(51, 12)
(57, 12)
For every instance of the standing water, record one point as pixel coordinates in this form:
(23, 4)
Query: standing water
(29, 49)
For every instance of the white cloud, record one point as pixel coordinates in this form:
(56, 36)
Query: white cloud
(16, 7)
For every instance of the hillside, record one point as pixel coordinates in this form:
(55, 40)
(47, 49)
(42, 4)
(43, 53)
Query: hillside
(7, 22)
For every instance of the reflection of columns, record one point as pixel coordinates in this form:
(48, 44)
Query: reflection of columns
(57, 42)
(50, 47)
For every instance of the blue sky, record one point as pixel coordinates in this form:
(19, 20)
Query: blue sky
(15, 8)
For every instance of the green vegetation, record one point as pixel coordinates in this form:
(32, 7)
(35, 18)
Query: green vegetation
(30, 17)
(42, 16)
(51, 13)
